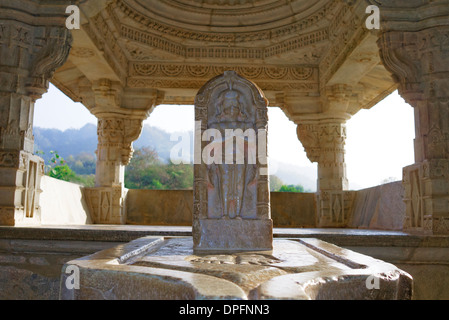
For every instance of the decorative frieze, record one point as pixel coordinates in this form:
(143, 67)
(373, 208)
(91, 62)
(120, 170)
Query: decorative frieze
(286, 73)
(292, 29)
(157, 75)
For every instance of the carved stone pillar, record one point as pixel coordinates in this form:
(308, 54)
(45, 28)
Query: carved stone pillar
(120, 116)
(29, 54)
(323, 138)
(324, 141)
(115, 137)
(418, 56)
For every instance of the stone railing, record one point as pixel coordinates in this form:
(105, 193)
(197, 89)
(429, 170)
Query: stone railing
(381, 207)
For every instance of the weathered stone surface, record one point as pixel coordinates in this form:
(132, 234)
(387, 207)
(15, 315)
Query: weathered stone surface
(63, 203)
(158, 268)
(174, 207)
(233, 235)
(425, 258)
(159, 207)
(18, 283)
(380, 207)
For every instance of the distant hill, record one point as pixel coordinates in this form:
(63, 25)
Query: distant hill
(66, 143)
(73, 142)
(160, 141)
(84, 140)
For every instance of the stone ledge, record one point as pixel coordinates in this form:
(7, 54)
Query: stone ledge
(126, 233)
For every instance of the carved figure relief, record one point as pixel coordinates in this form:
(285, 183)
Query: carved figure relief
(232, 186)
(231, 104)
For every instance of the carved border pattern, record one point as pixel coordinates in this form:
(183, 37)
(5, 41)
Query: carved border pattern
(196, 84)
(292, 29)
(223, 52)
(206, 71)
(334, 208)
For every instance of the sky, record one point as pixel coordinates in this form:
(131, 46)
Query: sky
(379, 141)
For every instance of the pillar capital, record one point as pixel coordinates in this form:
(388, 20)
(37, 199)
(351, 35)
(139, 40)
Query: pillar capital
(29, 56)
(320, 136)
(419, 62)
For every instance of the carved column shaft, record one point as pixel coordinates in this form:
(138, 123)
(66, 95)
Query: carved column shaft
(29, 54)
(120, 114)
(419, 62)
(115, 138)
(114, 151)
(324, 143)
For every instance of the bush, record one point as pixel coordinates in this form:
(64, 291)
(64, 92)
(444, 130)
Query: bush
(291, 188)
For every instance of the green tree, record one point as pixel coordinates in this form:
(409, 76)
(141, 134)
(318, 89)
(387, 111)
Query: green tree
(291, 188)
(59, 169)
(147, 171)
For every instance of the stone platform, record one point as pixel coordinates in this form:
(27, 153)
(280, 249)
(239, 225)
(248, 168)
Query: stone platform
(167, 268)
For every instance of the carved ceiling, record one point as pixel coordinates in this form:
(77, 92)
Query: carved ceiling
(294, 47)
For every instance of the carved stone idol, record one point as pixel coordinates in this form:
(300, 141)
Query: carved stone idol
(231, 190)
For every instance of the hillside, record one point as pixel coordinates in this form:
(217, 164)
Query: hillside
(73, 143)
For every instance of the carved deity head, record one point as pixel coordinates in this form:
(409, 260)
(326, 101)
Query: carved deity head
(229, 105)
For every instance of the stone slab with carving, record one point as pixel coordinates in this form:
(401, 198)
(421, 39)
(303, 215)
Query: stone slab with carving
(231, 191)
(168, 268)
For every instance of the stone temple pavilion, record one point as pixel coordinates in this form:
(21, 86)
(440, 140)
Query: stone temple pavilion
(319, 61)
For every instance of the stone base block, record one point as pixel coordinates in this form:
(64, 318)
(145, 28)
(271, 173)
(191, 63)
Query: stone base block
(21, 173)
(222, 235)
(106, 204)
(167, 269)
